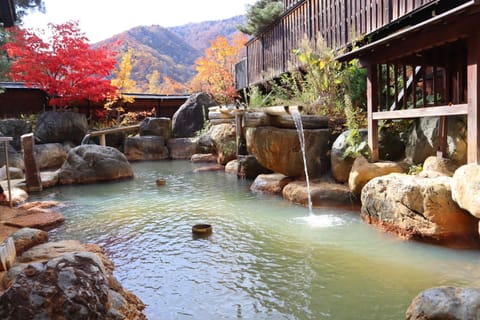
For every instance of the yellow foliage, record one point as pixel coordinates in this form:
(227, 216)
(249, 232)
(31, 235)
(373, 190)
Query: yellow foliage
(215, 69)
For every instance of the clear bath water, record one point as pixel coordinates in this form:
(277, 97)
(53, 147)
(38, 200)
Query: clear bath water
(266, 259)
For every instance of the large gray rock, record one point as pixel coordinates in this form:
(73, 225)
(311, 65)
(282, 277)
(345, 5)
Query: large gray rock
(224, 141)
(245, 167)
(445, 303)
(418, 208)
(14, 173)
(15, 128)
(191, 116)
(15, 158)
(93, 163)
(26, 238)
(466, 188)
(61, 127)
(182, 148)
(161, 127)
(144, 148)
(71, 286)
(279, 150)
(50, 155)
(423, 140)
(391, 148)
(340, 164)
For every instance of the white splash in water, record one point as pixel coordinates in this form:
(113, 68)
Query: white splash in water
(297, 119)
(321, 221)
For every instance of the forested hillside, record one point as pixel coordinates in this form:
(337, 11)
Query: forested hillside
(169, 51)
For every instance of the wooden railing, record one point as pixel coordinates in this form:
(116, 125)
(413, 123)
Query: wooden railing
(338, 22)
(103, 133)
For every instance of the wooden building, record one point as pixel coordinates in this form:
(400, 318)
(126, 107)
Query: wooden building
(7, 13)
(18, 100)
(422, 56)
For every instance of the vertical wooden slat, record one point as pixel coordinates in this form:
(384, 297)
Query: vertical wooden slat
(387, 86)
(414, 86)
(424, 85)
(372, 106)
(380, 85)
(473, 76)
(405, 86)
(434, 85)
(395, 85)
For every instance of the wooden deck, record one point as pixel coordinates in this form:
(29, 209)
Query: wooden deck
(338, 22)
(422, 56)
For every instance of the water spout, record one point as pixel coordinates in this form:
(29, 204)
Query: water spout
(282, 110)
(297, 119)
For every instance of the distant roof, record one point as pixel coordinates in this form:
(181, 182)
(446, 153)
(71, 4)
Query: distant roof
(15, 85)
(21, 85)
(155, 96)
(7, 13)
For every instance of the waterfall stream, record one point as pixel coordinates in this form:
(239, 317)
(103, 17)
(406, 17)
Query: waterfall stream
(297, 119)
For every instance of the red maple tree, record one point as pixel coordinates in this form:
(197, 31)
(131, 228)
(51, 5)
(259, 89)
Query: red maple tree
(62, 64)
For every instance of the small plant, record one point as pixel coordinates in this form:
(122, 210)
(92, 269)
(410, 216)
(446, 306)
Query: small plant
(30, 118)
(206, 127)
(415, 169)
(355, 118)
(256, 98)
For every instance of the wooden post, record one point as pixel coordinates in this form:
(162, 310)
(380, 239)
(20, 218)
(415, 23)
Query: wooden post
(473, 76)
(240, 133)
(32, 174)
(372, 106)
(5, 140)
(103, 140)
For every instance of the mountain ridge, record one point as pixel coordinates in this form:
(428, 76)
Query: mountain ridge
(171, 51)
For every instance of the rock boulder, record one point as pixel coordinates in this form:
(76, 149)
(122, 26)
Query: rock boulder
(142, 148)
(323, 194)
(224, 141)
(418, 208)
(71, 286)
(53, 127)
(15, 128)
(161, 127)
(93, 163)
(279, 150)
(445, 303)
(363, 171)
(423, 139)
(182, 148)
(50, 155)
(466, 188)
(191, 116)
(270, 183)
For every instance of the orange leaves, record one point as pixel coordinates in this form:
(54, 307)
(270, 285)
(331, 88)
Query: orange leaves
(62, 64)
(215, 69)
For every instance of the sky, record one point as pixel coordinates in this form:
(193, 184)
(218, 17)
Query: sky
(101, 19)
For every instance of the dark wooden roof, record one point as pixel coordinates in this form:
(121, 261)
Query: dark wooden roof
(7, 13)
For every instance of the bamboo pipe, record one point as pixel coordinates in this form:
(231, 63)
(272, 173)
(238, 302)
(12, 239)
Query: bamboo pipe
(281, 110)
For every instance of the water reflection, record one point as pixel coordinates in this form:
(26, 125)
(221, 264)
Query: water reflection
(266, 259)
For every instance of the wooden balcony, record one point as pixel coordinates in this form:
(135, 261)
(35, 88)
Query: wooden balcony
(338, 22)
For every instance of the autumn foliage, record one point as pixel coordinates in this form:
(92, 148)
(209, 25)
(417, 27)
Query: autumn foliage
(215, 70)
(61, 63)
